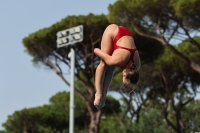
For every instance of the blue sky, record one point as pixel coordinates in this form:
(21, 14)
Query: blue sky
(21, 84)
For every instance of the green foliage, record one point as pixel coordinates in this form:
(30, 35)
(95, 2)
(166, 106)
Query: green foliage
(189, 10)
(109, 124)
(48, 118)
(21, 120)
(172, 67)
(169, 79)
(117, 80)
(138, 11)
(141, 11)
(108, 118)
(114, 104)
(191, 116)
(150, 121)
(3, 131)
(54, 117)
(190, 50)
(124, 12)
(193, 53)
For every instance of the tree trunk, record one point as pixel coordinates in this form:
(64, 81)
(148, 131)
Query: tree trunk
(94, 121)
(24, 130)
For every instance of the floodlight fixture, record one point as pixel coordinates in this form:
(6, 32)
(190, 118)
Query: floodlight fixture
(69, 36)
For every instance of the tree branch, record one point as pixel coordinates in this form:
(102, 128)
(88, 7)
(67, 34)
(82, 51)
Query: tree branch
(173, 33)
(158, 28)
(190, 38)
(181, 56)
(115, 114)
(128, 102)
(166, 115)
(48, 63)
(149, 36)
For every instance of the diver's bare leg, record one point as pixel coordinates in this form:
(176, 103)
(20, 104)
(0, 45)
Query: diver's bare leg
(99, 82)
(107, 47)
(101, 89)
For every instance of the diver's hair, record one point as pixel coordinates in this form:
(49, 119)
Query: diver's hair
(132, 74)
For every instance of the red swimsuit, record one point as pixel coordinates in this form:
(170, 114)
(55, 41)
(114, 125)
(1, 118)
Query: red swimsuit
(122, 31)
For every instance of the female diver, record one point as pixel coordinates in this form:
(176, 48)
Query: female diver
(117, 50)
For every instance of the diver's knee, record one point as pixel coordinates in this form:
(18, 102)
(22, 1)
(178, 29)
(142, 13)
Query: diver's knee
(103, 64)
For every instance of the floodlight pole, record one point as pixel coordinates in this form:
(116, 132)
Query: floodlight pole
(72, 106)
(64, 38)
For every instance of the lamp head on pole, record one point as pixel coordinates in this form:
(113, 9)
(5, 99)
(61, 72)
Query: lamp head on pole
(69, 36)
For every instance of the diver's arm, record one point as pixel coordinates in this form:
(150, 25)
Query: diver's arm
(110, 60)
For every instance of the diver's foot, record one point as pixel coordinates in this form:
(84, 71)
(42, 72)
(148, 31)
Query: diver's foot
(99, 102)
